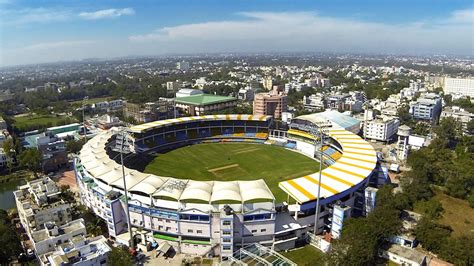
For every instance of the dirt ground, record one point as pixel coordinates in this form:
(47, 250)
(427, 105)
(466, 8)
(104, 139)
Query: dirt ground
(67, 177)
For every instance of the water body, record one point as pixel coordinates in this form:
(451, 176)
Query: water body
(7, 200)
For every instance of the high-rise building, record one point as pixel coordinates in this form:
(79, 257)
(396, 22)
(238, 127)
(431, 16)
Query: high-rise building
(460, 86)
(272, 103)
(268, 83)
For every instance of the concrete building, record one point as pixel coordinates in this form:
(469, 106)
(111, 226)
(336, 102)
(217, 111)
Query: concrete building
(151, 111)
(268, 83)
(314, 102)
(52, 236)
(462, 86)
(246, 94)
(38, 203)
(427, 107)
(272, 103)
(172, 86)
(79, 251)
(183, 66)
(402, 144)
(403, 256)
(205, 104)
(188, 92)
(53, 151)
(108, 105)
(381, 128)
(104, 122)
(459, 114)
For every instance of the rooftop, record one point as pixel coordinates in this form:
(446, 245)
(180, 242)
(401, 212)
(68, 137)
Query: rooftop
(204, 99)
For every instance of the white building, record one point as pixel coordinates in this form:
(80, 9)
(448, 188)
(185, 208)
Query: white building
(403, 256)
(246, 94)
(427, 107)
(459, 114)
(183, 66)
(188, 92)
(79, 251)
(382, 128)
(314, 102)
(38, 203)
(459, 86)
(52, 236)
(172, 86)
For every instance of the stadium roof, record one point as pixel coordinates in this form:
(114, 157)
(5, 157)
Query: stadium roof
(204, 99)
(339, 119)
(357, 162)
(156, 124)
(98, 164)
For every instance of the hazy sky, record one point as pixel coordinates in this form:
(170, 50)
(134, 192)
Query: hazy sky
(47, 31)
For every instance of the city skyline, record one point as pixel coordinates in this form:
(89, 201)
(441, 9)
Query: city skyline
(54, 31)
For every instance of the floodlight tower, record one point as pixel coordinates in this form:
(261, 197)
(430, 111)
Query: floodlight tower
(84, 102)
(317, 129)
(124, 147)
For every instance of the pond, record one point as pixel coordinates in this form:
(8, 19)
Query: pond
(7, 200)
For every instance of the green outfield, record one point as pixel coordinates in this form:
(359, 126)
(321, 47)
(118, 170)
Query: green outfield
(234, 161)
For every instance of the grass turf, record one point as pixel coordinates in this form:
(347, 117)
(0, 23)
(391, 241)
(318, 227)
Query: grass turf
(234, 161)
(307, 255)
(31, 122)
(457, 214)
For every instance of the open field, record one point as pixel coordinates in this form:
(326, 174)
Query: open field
(305, 256)
(31, 122)
(234, 161)
(457, 214)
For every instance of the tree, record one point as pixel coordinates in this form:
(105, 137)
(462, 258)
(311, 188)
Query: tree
(361, 237)
(9, 149)
(74, 146)
(119, 256)
(432, 235)
(9, 240)
(31, 159)
(431, 209)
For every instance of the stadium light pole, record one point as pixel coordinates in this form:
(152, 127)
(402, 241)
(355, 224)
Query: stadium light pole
(123, 134)
(315, 132)
(84, 100)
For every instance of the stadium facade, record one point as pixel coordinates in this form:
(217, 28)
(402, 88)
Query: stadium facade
(216, 217)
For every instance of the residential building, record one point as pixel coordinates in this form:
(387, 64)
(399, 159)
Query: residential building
(402, 255)
(314, 102)
(246, 94)
(205, 104)
(104, 122)
(381, 128)
(38, 203)
(53, 150)
(3, 159)
(427, 107)
(53, 236)
(188, 92)
(459, 114)
(337, 101)
(272, 103)
(151, 111)
(79, 251)
(462, 86)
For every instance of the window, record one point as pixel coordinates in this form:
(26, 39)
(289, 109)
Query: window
(254, 231)
(199, 231)
(190, 231)
(263, 230)
(226, 247)
(226, 223)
